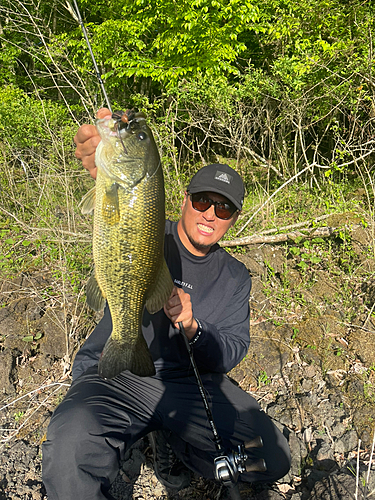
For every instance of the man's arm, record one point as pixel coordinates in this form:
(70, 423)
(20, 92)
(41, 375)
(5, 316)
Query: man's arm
(219, 347)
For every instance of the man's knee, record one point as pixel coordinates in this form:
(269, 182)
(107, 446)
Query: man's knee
(70, 422)
(75, 448)
(70, 436)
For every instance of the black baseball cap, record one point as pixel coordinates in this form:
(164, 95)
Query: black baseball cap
(219, 178)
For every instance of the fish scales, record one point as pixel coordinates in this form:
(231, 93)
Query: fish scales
(128, 242)
(123, 254)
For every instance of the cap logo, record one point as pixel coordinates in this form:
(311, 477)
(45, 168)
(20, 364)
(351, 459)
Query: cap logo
(223, 177)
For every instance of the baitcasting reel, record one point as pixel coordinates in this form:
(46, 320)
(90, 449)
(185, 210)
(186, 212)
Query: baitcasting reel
(229, 467)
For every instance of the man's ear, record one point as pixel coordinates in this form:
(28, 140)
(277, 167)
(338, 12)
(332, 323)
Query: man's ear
(184, 201)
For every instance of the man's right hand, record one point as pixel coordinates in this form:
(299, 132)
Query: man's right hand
(87, 139)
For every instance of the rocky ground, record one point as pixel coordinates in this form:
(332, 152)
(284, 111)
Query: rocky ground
(311, 365)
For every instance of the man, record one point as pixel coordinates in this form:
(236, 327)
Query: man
(100, 419)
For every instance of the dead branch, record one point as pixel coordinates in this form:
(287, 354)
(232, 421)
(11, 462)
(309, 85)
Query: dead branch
(317, 232)
(304, 224)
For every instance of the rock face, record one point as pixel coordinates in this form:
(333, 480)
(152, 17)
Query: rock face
(311, 365)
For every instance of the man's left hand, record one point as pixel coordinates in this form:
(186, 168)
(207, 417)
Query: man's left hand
(178, 308)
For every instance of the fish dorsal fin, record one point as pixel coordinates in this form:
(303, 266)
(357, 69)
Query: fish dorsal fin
(94, 296)
(110, 205)
(161, 291)
(88, 201)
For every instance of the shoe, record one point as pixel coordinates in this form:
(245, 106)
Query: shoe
(170, 471)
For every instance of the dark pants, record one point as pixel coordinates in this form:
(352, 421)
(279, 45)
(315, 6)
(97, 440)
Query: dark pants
(99, 420)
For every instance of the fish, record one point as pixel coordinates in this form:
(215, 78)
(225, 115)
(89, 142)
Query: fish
(130, 272)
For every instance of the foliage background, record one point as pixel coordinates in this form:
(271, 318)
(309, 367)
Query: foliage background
(282, 90)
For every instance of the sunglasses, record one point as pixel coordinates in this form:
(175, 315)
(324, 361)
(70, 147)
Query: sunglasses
(201, 203)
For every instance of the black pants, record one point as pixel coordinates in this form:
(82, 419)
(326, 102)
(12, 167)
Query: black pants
(98, 420)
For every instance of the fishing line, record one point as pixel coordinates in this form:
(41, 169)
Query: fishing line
(78, 18)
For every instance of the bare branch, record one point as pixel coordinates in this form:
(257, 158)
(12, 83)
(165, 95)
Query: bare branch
(317, 232)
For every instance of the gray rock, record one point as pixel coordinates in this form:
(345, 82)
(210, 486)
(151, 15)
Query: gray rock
(339, 486)
(348, 442)
(53, 342)
(298, 453)
(325, 457)
(7, 372)
(9, 325)
(313, 476)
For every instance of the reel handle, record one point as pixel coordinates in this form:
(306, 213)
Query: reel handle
(257, 442)
(255, 465)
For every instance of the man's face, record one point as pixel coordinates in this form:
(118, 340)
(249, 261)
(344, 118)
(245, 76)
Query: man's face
(198, 231)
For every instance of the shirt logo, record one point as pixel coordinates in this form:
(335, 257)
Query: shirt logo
(183, 284)
(223, 177)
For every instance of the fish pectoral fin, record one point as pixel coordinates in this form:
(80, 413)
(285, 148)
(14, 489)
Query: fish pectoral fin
(110, 205)
(94, 296)
(118, 357)
(162, 290)
(88, 202)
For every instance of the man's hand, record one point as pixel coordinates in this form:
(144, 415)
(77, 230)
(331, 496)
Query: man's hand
(87, 139)
(178, 308)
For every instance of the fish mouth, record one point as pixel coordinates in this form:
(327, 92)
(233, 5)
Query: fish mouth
(128, 116)
(114, 133)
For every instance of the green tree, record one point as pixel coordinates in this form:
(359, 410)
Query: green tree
(167, 40)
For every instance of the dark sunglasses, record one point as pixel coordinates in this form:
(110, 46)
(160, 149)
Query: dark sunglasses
(201, 203)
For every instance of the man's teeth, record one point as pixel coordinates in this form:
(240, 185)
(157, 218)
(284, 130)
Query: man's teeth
(206, 229)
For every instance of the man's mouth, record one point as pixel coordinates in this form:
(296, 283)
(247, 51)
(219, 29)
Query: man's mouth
(205, 229)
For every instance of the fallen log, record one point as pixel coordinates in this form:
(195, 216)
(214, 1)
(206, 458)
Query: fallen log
(258, 239)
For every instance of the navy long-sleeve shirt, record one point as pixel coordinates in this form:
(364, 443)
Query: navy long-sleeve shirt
(219, 287)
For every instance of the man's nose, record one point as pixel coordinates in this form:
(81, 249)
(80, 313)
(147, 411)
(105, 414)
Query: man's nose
(209, 214)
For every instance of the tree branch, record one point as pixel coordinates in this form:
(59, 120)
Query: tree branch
(317, 232)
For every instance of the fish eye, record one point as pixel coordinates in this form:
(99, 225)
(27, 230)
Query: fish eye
(142, 136)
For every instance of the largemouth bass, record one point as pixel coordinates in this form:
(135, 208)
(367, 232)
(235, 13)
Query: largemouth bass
(128, 239)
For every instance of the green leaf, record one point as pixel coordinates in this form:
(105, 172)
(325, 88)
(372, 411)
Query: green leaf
(295, 250)
(303, 265)
(28, 338)
(315, 260)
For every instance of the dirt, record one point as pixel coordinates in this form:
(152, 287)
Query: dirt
(311, 365)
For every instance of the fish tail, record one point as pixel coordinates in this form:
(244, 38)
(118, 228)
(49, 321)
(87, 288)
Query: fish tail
(118, 357)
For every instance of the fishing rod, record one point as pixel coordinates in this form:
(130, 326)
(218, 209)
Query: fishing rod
(77, 16)
(228, 466)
